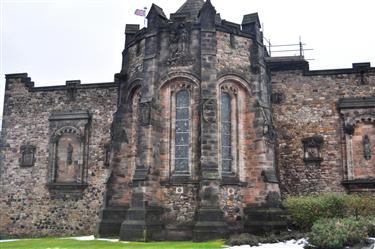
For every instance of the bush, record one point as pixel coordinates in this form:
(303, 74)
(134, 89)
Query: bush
(243, 239)
(369, 223)
(357, 206)
(304, 211)
(337, 233)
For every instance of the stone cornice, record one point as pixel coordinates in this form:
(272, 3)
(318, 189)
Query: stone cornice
(351, 103)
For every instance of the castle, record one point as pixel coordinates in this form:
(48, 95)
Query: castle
(199, 136)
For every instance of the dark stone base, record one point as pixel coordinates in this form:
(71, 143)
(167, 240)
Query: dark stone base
(210, 225)
(143, 224)
(179, 232)
(111, 219)
(263, 220)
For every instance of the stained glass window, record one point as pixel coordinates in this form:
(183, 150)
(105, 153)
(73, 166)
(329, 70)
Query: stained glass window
(226, 133)
(182, 131)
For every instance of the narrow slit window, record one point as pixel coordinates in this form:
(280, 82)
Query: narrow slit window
(182, 132)
(226, 133)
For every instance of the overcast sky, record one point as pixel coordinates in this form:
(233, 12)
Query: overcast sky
(58, 40)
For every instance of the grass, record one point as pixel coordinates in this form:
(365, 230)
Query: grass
(95, 244)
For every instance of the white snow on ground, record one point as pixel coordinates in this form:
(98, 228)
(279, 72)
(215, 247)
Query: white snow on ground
(92, 237)
(291, 244)
(83, 238)
(109, 240)
(8, 240)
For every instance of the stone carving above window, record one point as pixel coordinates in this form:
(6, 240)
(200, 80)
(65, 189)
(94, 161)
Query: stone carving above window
(27, 155)
(312, 149)
(68, 153)
(179, 41)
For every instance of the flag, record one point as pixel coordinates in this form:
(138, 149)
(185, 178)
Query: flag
(140, 12)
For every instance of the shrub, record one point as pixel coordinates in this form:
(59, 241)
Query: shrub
(304, 211)
(243, 239)
(337, 233)
(357, 206)
(369, 223)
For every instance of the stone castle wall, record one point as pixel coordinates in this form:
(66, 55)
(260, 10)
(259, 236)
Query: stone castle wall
(307, 106)
(185, 144)
(28, 206)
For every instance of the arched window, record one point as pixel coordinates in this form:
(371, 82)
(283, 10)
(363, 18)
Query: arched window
(182, 132)
(226, 132)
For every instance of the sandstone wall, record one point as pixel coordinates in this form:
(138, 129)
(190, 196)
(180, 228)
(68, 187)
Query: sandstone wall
(308, 107)
(28, 208)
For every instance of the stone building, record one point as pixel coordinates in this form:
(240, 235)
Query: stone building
(198, 136)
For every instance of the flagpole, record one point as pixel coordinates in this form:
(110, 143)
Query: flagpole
(144, 22)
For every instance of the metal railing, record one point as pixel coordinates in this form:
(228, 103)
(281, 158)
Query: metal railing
(279, 50)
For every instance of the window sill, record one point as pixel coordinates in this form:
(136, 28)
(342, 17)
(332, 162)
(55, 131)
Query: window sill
(67, 187)
(179, 179)
(313, 160)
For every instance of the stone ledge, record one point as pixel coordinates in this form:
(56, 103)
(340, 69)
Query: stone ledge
(67, 187)
(359, 185)
(72, 115)
(353, 103)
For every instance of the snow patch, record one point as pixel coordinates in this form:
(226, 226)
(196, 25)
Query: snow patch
(8, 240)
(108, 240)
(92, 237)
(291, 244)
(83, 238)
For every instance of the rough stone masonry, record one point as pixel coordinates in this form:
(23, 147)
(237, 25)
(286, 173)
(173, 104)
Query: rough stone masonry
(199, 136)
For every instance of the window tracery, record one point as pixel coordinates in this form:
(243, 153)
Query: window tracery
(182, 131)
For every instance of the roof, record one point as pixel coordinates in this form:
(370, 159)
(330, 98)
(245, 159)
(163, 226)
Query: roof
(191, 8)
(158, 10)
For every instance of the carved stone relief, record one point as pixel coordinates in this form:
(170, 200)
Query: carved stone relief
(107, 154)
(366, 147)
(210, 111)
(27, 155)
(179, 47)
(277, 98)
(67, 160)
(144, 113)
(312, 147)
(118, 133)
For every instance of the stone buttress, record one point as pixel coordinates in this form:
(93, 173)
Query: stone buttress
(192, 139)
